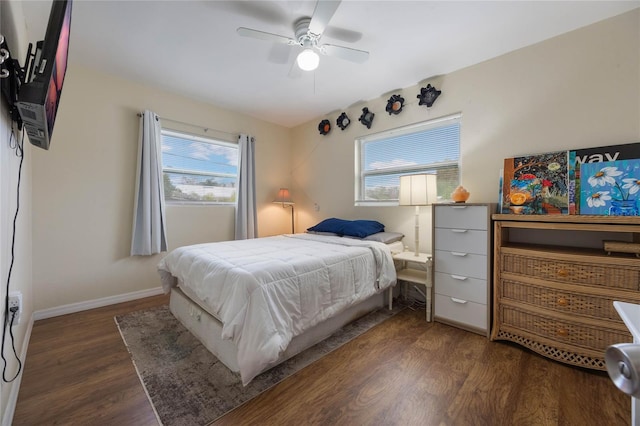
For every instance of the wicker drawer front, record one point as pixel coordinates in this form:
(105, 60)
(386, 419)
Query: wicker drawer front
(466, 288)
(460, 263)
(599, 307)
(461, 311)
(461, 239)
(564, 332)
(593, 274)
(469, 217)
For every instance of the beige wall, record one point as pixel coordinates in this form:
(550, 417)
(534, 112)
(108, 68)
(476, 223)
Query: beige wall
(83, 188)
(581, 89)
(13, 28)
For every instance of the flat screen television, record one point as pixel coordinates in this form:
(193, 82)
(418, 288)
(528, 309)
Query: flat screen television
(39, 96)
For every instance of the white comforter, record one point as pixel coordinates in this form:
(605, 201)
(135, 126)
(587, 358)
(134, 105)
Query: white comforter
(268, 290)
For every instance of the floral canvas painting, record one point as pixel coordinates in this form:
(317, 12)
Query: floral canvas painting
(536, 184)
(594, 155)
(610, 188)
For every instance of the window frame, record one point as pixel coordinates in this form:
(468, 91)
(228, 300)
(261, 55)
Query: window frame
(360, 143)
(180, 134)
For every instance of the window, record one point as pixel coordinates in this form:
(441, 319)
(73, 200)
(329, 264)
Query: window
(429, 147)
(198, 169)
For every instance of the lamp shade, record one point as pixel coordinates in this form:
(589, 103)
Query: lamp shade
(308, 60)
(283, 197)
(418, 190)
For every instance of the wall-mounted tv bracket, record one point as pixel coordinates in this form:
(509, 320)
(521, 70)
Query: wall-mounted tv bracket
(12, 77)
(31, 62)
(4, 55)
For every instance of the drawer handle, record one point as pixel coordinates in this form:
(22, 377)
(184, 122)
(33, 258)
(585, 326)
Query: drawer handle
(456, 253)
(563, 273)
(562, 301)
(459, 231)
(563, 332)
(458, 207)
(462, 302)
(458, 277)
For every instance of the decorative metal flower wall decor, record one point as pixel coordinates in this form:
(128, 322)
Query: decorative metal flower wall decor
(428, 95)
(367, 117)
(343, 121)
(324, 127)
(395, 104)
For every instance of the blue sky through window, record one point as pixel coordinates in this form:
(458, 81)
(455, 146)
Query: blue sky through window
(178, 153)
(198, 169)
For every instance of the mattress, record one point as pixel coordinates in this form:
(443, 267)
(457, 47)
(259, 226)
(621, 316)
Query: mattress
(208, 329)
(266, 291)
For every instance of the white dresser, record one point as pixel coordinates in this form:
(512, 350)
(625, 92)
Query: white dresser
(462, 265)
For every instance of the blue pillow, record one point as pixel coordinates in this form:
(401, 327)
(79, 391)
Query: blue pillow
(352, 228)
(329, 225)
(362, 228)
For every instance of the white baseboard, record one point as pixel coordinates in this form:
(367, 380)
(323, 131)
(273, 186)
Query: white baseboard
(96, 303)
(7, 417)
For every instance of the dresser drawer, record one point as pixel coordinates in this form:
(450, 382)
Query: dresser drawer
(460, 263)
(469, 217)
(461, 311)
(460, 287)
(572, 333)
(462, 240)
(595, 273)
(571, 302)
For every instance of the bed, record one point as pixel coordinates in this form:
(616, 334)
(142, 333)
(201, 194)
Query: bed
(255, 303)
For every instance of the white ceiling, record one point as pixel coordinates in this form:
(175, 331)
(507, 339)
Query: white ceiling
(192, 48)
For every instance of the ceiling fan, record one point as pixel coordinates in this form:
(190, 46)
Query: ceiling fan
(308, 32)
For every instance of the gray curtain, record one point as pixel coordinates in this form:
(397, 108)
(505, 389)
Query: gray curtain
(246, 217)
(149, 231)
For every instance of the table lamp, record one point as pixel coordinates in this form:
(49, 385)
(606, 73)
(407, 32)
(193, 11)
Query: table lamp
(417, 190)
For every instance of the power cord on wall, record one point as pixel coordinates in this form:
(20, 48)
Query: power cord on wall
(10, 314)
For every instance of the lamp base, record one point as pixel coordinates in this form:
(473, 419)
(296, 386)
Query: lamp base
(417, 252)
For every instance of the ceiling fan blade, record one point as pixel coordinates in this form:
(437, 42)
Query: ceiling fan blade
(261, 35)
(342, 34)
(347, 53)
(295, 71)
(322, 15)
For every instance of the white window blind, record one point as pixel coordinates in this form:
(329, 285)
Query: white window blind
(429, 147)
(198, 169)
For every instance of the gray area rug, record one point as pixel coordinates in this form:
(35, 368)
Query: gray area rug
(187, 385)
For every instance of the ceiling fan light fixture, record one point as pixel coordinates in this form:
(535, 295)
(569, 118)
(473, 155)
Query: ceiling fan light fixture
(308, 60)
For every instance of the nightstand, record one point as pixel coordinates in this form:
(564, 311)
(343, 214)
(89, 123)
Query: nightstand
(416, 276)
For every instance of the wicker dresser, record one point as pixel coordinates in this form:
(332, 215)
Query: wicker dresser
(554, 284)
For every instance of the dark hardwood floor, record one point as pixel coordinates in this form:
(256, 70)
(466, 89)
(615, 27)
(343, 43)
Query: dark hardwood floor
(403, 372)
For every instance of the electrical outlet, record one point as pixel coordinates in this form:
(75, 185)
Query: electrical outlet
(15, 301)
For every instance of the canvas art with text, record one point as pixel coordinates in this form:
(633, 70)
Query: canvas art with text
(594, 155)
(610, 188)
(536, 184)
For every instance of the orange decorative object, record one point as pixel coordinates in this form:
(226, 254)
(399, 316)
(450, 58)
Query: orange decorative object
(518, 198)
(324, 127)
(460, 195)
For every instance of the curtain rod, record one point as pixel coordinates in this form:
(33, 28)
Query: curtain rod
(206, 129)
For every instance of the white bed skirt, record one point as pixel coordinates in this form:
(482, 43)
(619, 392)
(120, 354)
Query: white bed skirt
(208, 329)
